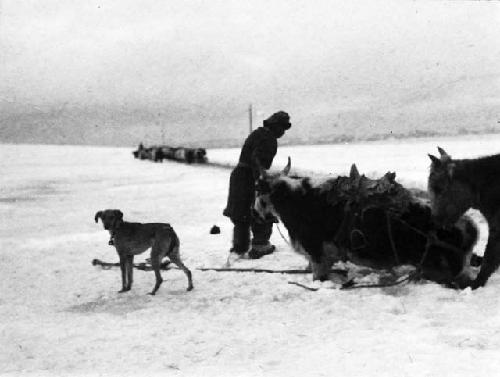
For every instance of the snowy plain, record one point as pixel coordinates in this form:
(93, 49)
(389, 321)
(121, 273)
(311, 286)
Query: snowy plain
(60, 316)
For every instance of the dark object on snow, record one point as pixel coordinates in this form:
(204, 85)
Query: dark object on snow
(374, 223)
(215, 230)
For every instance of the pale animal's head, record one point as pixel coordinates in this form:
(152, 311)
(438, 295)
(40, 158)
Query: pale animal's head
(111, 218)
(263, 206)
(449, 196)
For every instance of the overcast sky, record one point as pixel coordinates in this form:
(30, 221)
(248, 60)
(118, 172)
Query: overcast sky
(207, 60)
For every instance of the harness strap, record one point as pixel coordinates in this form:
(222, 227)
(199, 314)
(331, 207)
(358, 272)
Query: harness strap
(281, 233)
(432, 236)
(391, 239)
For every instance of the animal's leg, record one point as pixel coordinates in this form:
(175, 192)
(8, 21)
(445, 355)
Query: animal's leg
(320, 261)
(322, 257)
(464, 278)
(491, 260)
(155, 263)
(450, 267)
(320, 270)
(123, 268)
(175, 258)
(130, 271)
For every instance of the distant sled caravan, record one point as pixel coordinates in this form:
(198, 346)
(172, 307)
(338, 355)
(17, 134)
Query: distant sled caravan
(373, 223)
(159, 153)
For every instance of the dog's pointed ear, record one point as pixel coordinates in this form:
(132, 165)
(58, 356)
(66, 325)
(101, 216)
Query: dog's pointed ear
(434, 159)
(97, 215)
(119, 214)
(444, 156)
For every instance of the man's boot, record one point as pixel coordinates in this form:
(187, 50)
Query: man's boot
(258, 251)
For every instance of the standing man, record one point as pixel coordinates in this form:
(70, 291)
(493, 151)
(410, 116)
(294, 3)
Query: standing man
(259, 149)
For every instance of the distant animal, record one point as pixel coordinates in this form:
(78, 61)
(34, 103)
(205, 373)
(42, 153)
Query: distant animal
(200, 155)
(168, 152)
(455, 186)
(137, 153)
(157, 154)
(325, 232)
(131, 239)
(180, 154)
(189, 155)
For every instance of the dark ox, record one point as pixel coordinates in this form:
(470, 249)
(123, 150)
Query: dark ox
(317, 229)
(455, 186)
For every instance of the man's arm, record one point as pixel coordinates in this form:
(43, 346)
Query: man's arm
(263, 155)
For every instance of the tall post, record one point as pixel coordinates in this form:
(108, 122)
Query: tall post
(250, 114)
(162, 129)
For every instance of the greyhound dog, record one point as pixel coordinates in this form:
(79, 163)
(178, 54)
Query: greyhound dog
(131, 239)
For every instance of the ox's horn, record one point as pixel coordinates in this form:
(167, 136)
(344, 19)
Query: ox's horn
(286, 170)
(97, 215)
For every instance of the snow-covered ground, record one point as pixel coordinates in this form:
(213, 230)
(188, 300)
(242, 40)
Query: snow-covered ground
(61, 316)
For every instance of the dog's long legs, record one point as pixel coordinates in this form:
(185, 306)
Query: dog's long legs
(130, 271)
(123, 268)
(159, 280)
(155, 263)
(174, 258)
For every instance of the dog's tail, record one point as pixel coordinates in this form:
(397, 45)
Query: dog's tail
(174, 244)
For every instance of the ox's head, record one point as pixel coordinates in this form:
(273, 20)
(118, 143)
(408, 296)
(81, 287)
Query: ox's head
(263, 206)
(450, 197)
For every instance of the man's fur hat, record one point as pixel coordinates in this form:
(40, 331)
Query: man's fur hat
(280, 118)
